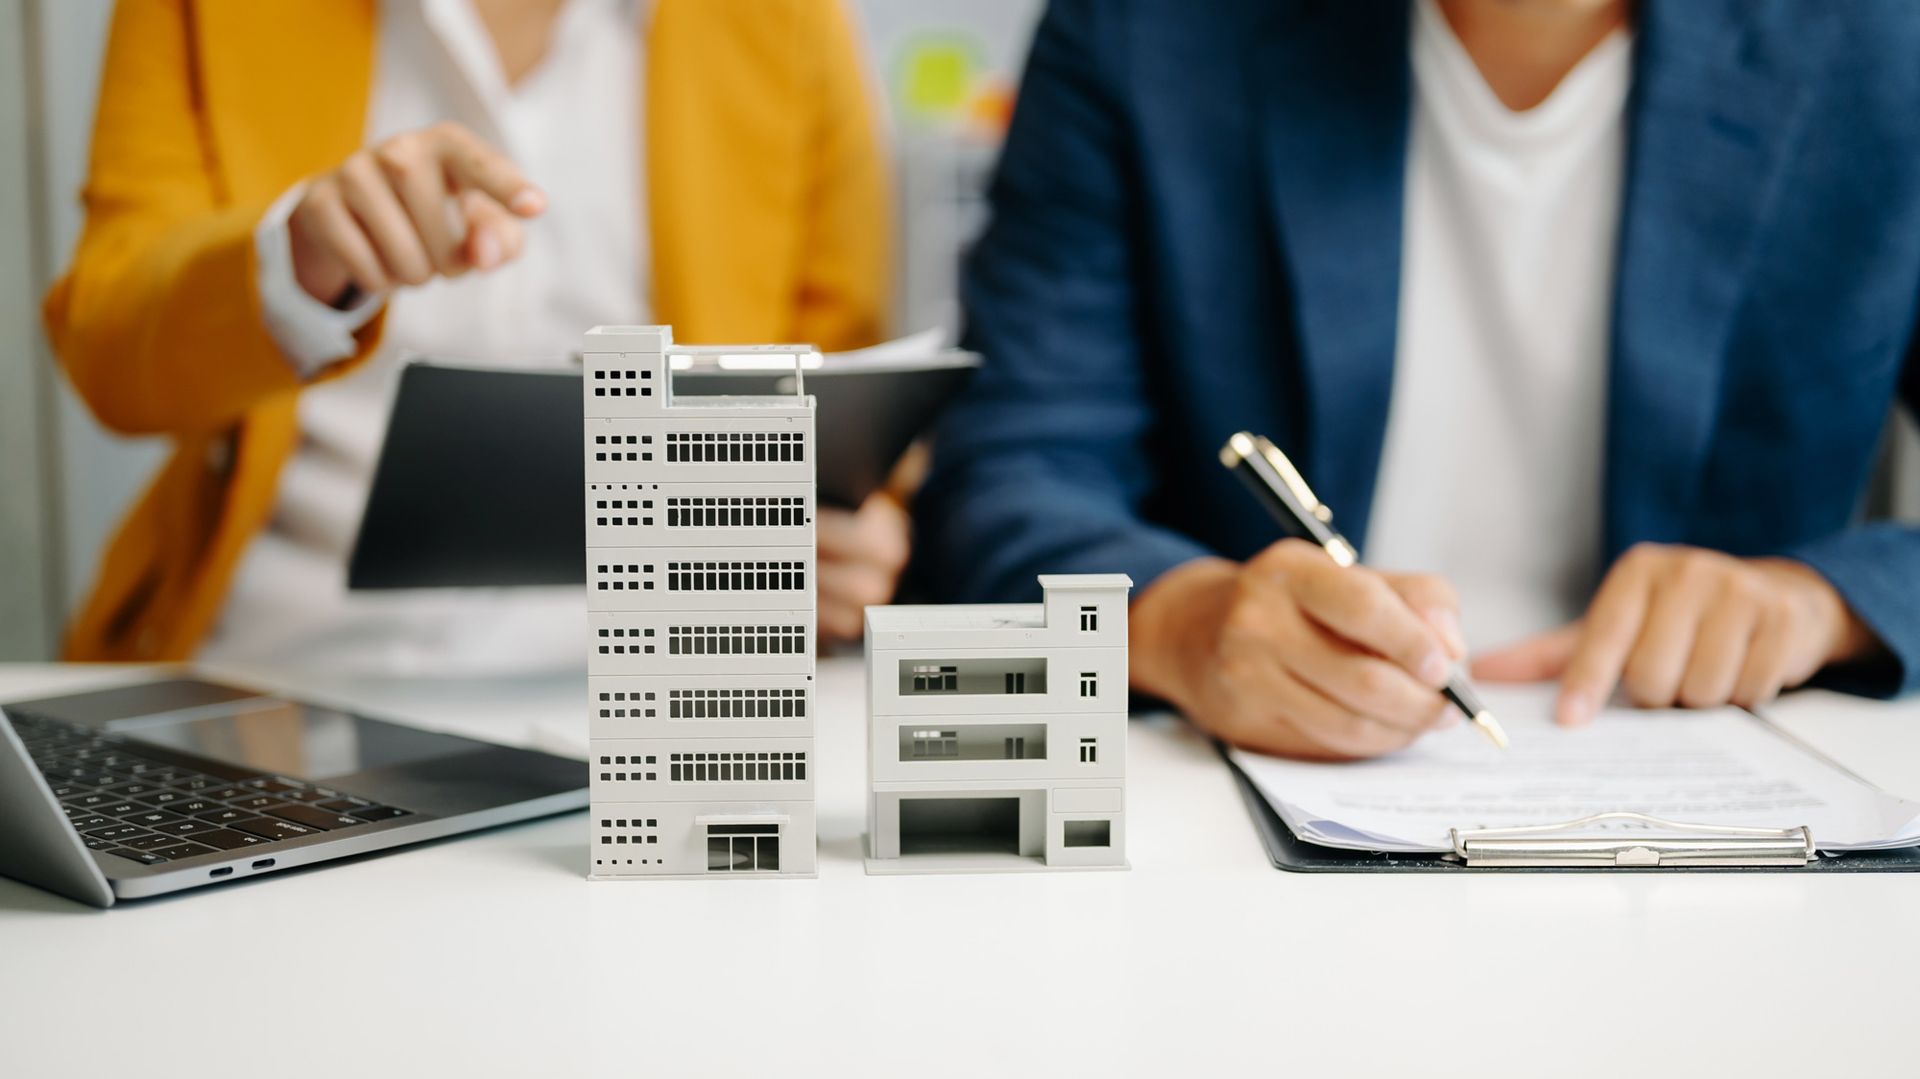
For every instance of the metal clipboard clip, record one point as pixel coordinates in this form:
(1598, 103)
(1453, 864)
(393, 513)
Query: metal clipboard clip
(1652, 842)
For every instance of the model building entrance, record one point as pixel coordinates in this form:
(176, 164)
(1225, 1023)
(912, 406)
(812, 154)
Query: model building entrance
(980, 828)
(960, 825)
(743, 848)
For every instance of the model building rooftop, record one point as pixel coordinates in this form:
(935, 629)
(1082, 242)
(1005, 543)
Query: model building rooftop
(907, 618)
(789, 402)
(1084, 582)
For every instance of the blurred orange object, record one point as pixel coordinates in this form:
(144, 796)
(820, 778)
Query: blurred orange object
(991, 109)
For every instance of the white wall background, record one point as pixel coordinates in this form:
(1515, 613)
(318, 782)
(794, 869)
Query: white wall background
(64, 482)
(29, 603)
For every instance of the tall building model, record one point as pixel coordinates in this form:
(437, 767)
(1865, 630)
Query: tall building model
(997, 735)
(700, 594)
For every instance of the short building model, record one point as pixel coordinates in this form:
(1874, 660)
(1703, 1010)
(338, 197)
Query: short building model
(997, 735)
(700, 593)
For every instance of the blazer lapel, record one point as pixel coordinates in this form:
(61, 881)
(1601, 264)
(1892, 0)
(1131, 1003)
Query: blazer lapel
(1334, 83)
(284, 88)
(724, 138)
(1717, 106)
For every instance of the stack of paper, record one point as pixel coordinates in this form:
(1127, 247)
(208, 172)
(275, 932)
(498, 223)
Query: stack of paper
(1720, 767)
(932, 347)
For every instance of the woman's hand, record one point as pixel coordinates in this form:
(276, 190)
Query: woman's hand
(861, 555)
(433, 202)
(1682, 625)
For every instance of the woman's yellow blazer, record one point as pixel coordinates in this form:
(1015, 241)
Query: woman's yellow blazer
(766, 204)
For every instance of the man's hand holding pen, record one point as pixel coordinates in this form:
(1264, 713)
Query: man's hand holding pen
(1303, 652)
(1293, 654)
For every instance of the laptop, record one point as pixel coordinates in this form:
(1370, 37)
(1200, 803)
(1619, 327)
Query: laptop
(144, 789)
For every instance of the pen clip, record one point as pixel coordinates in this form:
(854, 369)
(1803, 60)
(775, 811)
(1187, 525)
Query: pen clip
(1293, 479)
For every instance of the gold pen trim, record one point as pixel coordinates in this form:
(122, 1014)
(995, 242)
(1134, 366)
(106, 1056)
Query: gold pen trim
(1238, 449)
(1294, 480)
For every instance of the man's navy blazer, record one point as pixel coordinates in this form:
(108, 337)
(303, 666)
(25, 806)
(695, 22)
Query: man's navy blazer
(1196, 230)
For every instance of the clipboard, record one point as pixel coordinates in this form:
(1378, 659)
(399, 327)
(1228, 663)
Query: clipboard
(1662, 847)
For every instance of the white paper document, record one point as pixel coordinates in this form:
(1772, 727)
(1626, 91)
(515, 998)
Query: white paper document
(1716, 767)
(931, 347)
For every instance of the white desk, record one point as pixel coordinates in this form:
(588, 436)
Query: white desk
(491, 955)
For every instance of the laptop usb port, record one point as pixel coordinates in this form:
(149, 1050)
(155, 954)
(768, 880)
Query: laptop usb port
(220, 872)
(264, 863)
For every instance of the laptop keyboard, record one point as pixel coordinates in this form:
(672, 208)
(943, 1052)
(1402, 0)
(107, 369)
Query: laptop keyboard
(150, 807)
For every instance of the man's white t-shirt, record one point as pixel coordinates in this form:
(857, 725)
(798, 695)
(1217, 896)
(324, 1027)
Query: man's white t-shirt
(1491, 470)
(572, 125)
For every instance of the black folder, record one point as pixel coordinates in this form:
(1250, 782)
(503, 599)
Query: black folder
(481, 478)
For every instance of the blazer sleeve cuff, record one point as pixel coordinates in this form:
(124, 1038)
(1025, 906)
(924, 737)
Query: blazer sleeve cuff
(1876, 570)
(311, 335)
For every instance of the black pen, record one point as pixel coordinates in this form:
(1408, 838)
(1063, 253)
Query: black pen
(1284, 492)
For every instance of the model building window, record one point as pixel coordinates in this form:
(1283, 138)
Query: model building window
(731, 448)
(982, 676)
(1089, 619)
(935, 745)
(935, 678)
(736, 640)
(1089, 751)
(769, 767)
(1088, 833)
(743, 848)
(974, 742)
(1089, 684)
(736, 703)
(735, 576)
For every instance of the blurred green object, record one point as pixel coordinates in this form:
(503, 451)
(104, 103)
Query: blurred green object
(935, 76)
